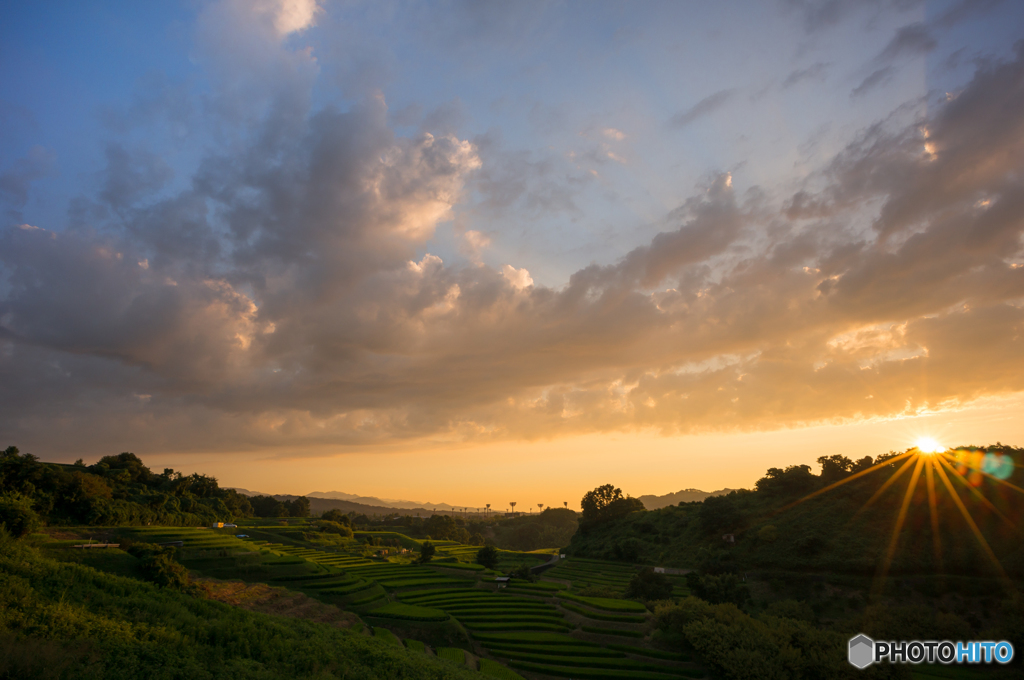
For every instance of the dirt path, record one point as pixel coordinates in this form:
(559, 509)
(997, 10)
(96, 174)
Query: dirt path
(260, 597)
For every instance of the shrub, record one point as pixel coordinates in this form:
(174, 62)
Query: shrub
(718, 588)
(488, 556)
(17, 515)
(330, 527)
(426, 553)
(157, 564)
(387, 636)
(648, 585)
(737, 646)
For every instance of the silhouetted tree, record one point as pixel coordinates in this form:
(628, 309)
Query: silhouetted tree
(427, 551)
(488, 556)
(649, 585)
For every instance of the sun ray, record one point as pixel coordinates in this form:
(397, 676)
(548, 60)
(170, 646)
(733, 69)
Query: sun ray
(900, 519)
(873, 468)
(977, 494)
(889, 482)
(933, 512)
(992, 477)
(970, 522)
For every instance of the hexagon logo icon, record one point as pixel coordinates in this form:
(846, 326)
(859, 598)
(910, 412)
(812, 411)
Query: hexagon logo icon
(862, 651)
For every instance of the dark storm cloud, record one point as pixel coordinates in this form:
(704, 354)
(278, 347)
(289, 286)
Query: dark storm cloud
(282, 296)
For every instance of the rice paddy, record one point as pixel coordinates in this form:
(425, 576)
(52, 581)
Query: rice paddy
(543, 628)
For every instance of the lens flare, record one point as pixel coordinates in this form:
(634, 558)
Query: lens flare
(929, 445)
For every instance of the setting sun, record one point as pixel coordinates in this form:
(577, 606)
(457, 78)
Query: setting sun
(929, 445)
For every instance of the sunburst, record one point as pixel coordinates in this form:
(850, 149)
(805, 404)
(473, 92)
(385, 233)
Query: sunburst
(928, 458)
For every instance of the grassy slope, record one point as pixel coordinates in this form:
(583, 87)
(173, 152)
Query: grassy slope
(59, 619)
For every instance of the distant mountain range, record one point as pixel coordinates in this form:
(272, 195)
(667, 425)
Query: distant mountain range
(321, 501)
(382, 502)
(684, 496)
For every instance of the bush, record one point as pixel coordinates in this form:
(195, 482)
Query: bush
(523, 572)
(157, 564)
(17, 516)
(327, 526)
(718, 588)
(426, 553)
(648, 585)
(487, 556)
(738, 647)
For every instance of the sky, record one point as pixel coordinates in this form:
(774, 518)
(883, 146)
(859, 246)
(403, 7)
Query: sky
(463, 251)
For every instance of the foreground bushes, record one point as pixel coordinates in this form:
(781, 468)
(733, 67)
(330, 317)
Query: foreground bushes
(740, 647)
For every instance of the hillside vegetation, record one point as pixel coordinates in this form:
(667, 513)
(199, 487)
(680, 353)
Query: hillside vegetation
(64, 620)
(117, 490)
(847, 529)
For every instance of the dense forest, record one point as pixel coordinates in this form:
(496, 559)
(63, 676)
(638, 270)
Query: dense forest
(117, 490)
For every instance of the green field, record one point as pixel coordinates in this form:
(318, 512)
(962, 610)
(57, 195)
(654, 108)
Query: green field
(524, 624)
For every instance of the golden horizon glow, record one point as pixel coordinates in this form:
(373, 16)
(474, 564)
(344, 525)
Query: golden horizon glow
(929, 445)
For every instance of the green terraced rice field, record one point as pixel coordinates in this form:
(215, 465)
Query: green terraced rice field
(605, 603)
(496, 670)
(409, 612)
(580, 649)
(452, 654)
(612, 631)
(653, 653)
(619, 618)
(518, 623)
(602, 673)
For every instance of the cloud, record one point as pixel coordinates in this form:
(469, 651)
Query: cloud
(291, 303)
(473, 243)
(820, 15)
(910, 40)
(17, 180)
(704, 107)
(815, 71)
(964, 10)
(875, 80)
(517, 278)
(291, 16)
